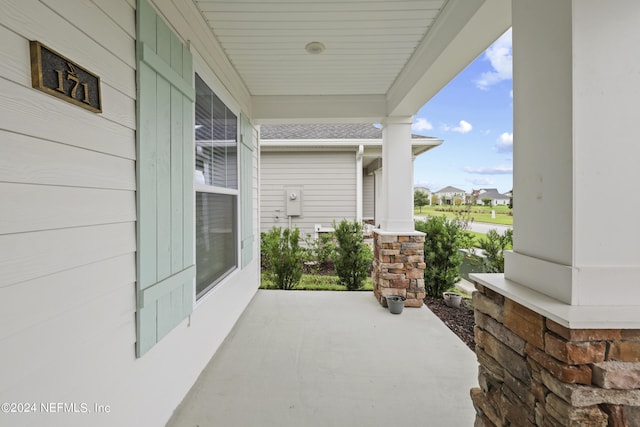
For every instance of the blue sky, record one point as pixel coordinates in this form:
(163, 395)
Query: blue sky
(473, 115)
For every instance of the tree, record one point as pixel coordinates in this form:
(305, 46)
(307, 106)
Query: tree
(486, 201)
(457, 201)
(420, 199)
(435, 200)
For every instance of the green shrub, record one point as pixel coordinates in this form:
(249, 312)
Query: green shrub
(494, 245)
(352, 258)
(282, 256)
(267, 241)
(443, 241)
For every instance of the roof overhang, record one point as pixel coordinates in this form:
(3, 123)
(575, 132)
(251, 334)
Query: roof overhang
(372, 147)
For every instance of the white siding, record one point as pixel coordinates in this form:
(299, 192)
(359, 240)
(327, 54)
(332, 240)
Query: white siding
(67, 225)
(67, 222)
(368, 197)
(327, 180)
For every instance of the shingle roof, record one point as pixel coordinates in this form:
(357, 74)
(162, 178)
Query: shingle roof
(450, 189)
(492, 193)
(323, 131)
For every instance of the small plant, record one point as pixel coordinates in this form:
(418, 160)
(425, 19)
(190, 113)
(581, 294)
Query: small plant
(494, 245)
(352, 258)
(267, 241)
(319, 252)
(442, 245)
(282, 256)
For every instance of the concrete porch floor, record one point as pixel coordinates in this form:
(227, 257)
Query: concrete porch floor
(306, 359)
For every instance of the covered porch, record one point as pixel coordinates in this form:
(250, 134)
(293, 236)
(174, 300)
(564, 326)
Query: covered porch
(98, 241)
(318, 359)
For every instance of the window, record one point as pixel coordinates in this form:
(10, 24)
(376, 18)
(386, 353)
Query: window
(216, 179)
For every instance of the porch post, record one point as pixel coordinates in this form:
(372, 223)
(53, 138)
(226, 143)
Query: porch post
(558, 335)
(575, 158)
(397, 179)
(398, 267)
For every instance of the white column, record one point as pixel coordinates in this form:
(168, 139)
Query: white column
(397, 179)
(576, 89)
(359, 173)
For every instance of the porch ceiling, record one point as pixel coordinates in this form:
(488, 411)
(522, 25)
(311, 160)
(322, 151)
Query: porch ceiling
(378, 53)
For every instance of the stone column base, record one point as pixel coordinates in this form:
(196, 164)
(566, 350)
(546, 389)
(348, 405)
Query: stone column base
(535, 372)
(398, 267)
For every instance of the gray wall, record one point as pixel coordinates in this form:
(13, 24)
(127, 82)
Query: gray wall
(327, 181)
(368, 197)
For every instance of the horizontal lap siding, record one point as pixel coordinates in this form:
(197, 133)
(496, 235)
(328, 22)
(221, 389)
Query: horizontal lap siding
(327, 180)
(368, 197)
(67, 224)
(97, 46)
(67, 202)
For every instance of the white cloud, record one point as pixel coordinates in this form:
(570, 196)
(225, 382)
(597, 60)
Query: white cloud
(501, 59)
(505, 143)
(421, 124)
(495, 170)
(481, 181)
(463, 127)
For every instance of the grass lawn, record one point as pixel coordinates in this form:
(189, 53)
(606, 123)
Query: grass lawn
(478, 213)
(312, 282)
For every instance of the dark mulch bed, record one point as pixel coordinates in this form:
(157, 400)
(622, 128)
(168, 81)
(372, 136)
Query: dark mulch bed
(459, 320)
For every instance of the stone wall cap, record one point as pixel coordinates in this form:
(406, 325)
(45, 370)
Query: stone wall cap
(570, 316)
(398, 233)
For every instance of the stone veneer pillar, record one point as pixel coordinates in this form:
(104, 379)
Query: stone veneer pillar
(535, 372)
(398, 267)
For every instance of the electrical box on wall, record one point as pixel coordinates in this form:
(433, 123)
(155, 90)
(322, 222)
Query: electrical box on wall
(293, 197)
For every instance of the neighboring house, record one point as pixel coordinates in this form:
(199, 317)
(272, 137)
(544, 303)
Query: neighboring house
(447, 195)
(497, 199)
(311, 175)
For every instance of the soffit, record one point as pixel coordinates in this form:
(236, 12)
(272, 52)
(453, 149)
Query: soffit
(383, 58)
(368, 43)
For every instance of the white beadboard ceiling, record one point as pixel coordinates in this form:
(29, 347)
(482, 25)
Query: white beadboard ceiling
(383, 58)
(367, 42)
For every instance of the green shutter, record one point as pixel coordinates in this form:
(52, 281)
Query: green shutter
(164, 168)
(246, 189)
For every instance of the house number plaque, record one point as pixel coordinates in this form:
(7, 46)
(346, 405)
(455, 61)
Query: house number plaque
(58, 76)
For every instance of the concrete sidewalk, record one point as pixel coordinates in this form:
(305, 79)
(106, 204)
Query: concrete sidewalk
(307, 359)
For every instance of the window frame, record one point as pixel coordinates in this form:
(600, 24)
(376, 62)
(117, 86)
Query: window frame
(220, 91)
